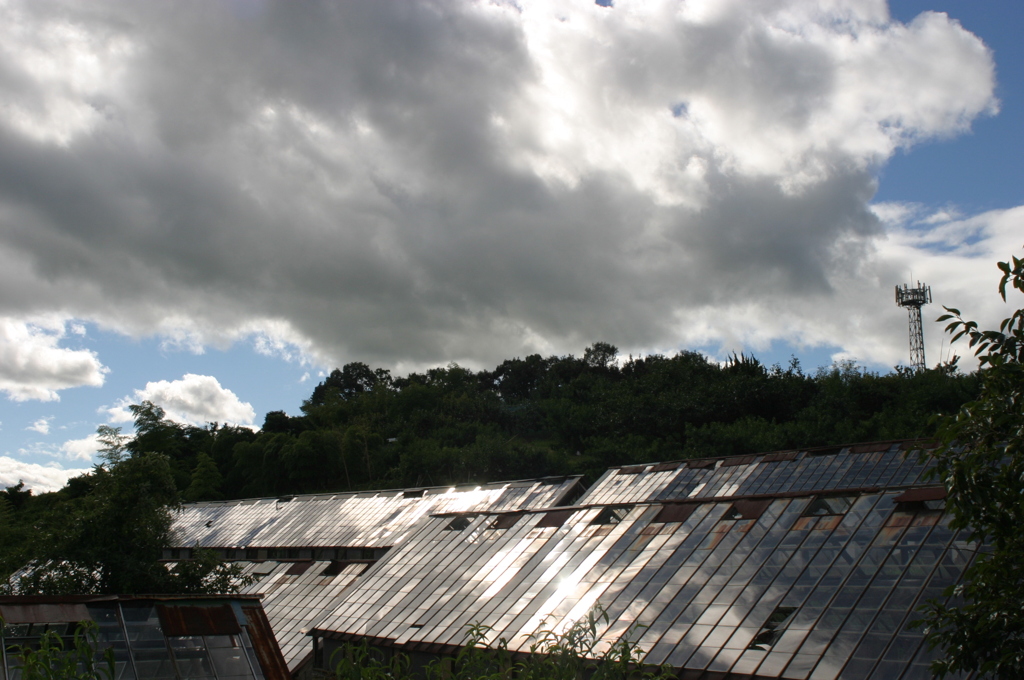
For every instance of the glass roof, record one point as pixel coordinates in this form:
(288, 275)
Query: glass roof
(780, 585)
(172, 637)
(344, 526)
(294, 601)
(368, 519)
(850, 467)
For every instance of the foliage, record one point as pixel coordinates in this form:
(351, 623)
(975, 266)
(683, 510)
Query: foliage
(110, 540)
(53, 661)
(115, 444)
(361, 662)
(53, 577)
(567, 655)
(363, 429)
(108, 536)
(206, 480)
(981, 463)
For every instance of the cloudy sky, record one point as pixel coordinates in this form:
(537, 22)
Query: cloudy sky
(208, 204)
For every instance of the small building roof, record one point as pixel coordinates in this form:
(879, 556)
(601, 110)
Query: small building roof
(181, 636)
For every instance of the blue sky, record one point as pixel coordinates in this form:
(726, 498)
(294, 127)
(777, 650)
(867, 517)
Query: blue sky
(212, 207)
(977, 171)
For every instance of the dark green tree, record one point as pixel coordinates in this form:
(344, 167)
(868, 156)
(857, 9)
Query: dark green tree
(17, 495)
(206, 481)
(115, 444)
(600, 355)
(981, 463)
(313, 461)
(110, 540)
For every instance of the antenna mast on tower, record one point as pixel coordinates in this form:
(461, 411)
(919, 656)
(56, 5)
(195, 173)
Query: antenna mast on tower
(914, 299)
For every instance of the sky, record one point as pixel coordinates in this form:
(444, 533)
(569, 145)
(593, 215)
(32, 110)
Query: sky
(210, 205)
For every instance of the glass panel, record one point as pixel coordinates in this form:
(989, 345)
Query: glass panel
(228, 656)
(830, 505)
(772, 630)
(191, 657)
(801, 666)
(748, 662)
(149, 650)
(774, 664)
(112, 636)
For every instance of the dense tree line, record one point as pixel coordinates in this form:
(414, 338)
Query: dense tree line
(361, 428)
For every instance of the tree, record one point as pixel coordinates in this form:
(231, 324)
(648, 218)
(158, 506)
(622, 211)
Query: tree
(360, 443)
(16, 495)
(352, 380)
(206, 481)
(981, 464)
(115, 444)
(600, 355)
(111, 540)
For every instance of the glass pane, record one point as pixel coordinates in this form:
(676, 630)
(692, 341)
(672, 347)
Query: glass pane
(191, 657)
(228, 656)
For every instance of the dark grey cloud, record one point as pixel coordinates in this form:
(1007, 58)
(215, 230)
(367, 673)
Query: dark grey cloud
(410, 183)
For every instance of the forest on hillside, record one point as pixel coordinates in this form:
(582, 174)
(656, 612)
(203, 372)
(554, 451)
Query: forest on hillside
(362, 428)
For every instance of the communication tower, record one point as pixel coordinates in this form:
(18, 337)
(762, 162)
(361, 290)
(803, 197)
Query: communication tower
(914, 299)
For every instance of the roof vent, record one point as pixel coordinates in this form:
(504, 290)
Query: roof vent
(772, 630)
(460, 523)
(612, 515)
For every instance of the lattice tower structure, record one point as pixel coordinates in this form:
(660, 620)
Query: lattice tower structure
(913, 299)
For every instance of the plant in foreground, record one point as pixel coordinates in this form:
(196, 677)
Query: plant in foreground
(571, 654)
(981, 464)
(82, 660)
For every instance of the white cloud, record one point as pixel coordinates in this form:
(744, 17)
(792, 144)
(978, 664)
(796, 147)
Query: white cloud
(195, 399)
(414, 184)
(34, 366)
(39, 478)
(81, 449)
(957, 259)
(42, 425)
